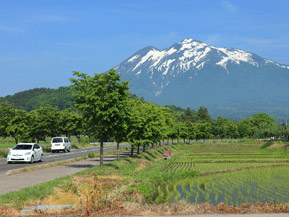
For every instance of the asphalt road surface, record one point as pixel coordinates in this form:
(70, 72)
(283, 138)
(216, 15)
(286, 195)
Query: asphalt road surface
(53, 157)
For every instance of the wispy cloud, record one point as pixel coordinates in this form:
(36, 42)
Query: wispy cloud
(55, 19)
(282, 42)
(213, 39)
(228, 6)
(10, 29)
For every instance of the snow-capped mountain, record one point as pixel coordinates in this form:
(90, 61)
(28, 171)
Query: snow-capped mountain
(192, 73)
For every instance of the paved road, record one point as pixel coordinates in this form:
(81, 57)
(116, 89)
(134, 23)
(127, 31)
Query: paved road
(52, 157)
(22, 180)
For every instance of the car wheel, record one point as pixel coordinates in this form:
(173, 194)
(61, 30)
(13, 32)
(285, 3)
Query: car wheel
(68, 149)
(53, 151)
(9, 162)
(65, 150)
(32, 159)
(41, 158)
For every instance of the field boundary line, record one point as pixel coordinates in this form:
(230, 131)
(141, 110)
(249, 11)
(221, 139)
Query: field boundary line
(240, 168)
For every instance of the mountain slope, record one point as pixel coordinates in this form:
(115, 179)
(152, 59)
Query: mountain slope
(35, 98)
(191, 73)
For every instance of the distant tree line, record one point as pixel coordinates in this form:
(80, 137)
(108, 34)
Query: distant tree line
(103, 109)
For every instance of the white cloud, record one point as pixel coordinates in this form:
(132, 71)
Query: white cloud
(229, 6)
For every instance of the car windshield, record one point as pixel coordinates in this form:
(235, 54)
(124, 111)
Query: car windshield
(22, 147)
(54, 140)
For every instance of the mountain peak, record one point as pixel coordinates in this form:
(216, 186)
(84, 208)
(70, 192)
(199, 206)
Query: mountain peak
(189, 40)
(192, 73)
(188, 56)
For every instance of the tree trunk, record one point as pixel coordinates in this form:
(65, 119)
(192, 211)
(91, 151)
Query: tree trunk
(144, 148)
(131, 151)
(37, 140)
(138, 149)
(101, 152)
(184, 140)
(16, 141)
(152, 145)
(117, 147)
(78, 137)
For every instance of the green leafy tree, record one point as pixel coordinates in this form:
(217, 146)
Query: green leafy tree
(169, 129)
(100, 98)
(44, 122)
(188, 115)
(70, 123)
(7, 112)
(18, 127)
(136, 124)
(247, 128)
(263, 120)
(155, 125)
(203, 115)
(121, 124)
(184, 130)
(233, 131)
(204, 130)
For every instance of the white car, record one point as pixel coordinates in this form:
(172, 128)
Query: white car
(60, 144)
(25, 152)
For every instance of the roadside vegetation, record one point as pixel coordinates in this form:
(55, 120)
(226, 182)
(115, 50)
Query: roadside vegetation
(104, 112)
(230, 177)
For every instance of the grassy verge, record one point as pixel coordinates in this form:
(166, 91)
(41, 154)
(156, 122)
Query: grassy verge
(48, 165)
(18, 199)
(3, 153)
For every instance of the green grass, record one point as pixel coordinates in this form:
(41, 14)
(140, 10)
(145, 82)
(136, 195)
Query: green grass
(40, 191)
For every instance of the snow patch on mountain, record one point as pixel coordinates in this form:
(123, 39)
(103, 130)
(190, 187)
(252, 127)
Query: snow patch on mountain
(188, 57)
(235, 56)
(133, 58)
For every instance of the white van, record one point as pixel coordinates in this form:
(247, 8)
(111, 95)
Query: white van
(60, 144)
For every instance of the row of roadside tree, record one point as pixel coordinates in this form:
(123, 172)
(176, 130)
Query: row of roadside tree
(103, 109)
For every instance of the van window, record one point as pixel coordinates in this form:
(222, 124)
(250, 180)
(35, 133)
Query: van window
(65, 139)
(55, 140)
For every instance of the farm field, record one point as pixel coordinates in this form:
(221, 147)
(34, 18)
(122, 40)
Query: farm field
(232, 178)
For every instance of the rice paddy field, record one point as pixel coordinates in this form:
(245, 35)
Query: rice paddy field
(241, 173)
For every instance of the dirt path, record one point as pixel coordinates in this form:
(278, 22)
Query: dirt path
(28, 179)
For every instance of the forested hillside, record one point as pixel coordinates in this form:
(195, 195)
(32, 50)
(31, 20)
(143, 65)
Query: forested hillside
(35, 98)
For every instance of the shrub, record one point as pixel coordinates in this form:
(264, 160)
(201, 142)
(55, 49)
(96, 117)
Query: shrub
(91, 155)
(145, 189)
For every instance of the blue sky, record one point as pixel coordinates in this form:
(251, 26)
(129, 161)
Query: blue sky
(43, 41)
